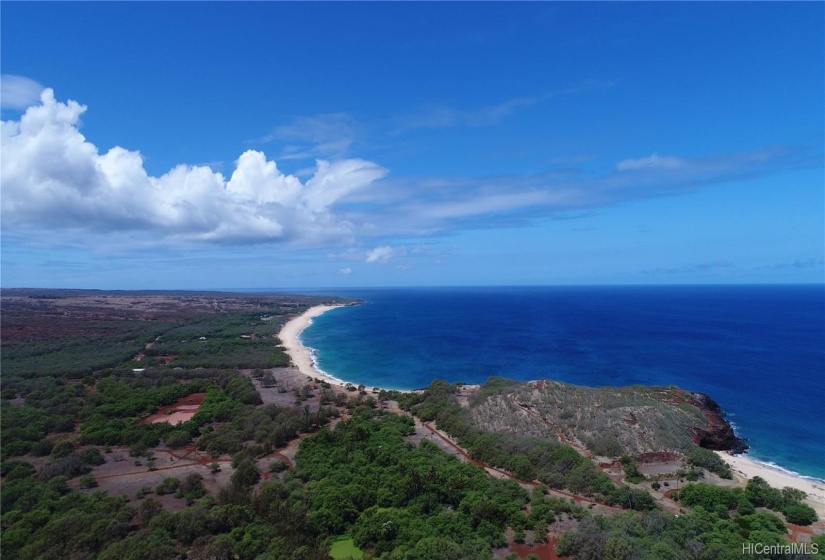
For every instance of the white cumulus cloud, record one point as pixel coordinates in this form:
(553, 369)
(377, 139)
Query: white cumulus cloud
(18, 92)
(381, 254)
(345, 271)
(52, 177)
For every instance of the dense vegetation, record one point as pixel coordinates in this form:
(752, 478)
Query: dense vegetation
(70, 334)
(230, 340)
(402, 501)
(112, 344)
(757, 493)
(707, 459)
(720, 521)
(52, 521)
(43, 517)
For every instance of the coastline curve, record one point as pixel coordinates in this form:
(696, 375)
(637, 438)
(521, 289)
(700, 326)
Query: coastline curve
(300, 355)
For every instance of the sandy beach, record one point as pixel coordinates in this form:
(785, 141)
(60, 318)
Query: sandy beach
(745, 468)
(299, 353)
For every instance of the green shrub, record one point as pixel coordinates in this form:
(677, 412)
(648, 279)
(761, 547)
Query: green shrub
(799, 514)
(707, 459)
(87, 481)
(169, 485)
(278, 466)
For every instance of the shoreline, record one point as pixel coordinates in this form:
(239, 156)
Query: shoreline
(301, 356)
(745, 468)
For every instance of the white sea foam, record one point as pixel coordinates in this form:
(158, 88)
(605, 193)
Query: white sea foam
(775, 466)
(313, 355)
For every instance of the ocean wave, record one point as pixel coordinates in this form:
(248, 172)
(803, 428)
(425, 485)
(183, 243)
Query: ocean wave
(313, 355)
(775, 466)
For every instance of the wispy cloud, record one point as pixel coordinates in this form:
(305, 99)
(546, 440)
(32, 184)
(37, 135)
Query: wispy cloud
(18, 92)
(443, 204)
(653, 161)
(346, 271)
(443, 116)
(692, 268)
(325, 135)
(53, 178)
(797, 264)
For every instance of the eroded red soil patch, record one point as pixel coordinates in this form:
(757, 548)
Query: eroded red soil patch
(545, 551)
(181, 411)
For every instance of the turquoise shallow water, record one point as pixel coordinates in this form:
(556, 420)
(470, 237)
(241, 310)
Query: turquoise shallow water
(759, 351)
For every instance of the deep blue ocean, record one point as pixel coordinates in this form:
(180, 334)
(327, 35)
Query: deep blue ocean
(759, 351)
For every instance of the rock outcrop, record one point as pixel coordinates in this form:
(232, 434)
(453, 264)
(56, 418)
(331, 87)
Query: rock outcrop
(718, 434)
(605, 421)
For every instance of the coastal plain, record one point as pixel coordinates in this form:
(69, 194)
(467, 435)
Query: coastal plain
(200, 423)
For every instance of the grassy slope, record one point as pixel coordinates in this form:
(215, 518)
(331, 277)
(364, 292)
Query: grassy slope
(605, 420)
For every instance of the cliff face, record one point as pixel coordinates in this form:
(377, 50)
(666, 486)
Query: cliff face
(718, 433)
(606, 421)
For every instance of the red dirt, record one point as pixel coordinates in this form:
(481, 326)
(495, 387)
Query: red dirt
(283, 457)
(545, 551)
(181, 411)
(654, 457)
(796, 531)
(166, 358)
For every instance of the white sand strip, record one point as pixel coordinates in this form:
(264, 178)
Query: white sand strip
(745, 468)
(290, 338)
(300, 354)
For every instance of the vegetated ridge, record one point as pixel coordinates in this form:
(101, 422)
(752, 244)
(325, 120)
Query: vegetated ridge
(604, 421)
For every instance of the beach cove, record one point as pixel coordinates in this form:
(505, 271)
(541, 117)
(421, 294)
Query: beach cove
(299, 354)
(745, 466)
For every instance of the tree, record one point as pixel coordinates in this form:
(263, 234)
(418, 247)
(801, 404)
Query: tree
(246, 475)
(192, 487)
(177, 438)
(521, 467)
(61, 449)
(170, 484)
(87, 481)
(148, 509)
(799, 514)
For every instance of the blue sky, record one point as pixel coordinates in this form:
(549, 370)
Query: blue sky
(216, 145)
